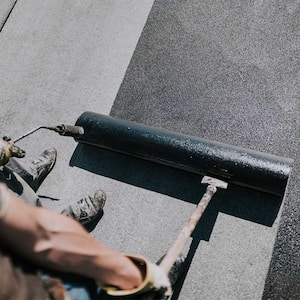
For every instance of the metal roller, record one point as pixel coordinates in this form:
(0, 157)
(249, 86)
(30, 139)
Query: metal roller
(253, 169)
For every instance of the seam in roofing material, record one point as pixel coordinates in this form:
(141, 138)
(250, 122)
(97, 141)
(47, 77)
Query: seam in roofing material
(7, 15)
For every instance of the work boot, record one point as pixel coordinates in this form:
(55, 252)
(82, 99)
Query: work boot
(86, 209)
(41, 167)
(38, 169)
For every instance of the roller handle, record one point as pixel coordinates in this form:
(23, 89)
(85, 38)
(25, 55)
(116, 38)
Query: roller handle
(179, 244)
(64, 130)
(69, 130)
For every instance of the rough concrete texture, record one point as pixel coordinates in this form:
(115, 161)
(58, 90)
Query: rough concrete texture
(226, 71)
(58, 59)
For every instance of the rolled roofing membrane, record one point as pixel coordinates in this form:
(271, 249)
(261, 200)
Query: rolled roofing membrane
(244, 167)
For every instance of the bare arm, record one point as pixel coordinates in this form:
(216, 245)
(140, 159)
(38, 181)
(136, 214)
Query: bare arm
(58, 242)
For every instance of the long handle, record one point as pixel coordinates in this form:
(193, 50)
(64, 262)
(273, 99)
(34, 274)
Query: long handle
(177, 247)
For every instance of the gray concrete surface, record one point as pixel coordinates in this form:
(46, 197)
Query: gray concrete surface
(59, 59)
(6, 7)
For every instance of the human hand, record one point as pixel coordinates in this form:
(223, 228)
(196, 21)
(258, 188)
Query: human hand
(7, 150)
(155, 282)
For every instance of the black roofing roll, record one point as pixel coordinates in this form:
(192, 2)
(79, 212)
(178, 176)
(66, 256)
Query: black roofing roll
(253, 169)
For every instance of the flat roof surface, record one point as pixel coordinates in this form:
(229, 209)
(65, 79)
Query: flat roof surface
(224, 71)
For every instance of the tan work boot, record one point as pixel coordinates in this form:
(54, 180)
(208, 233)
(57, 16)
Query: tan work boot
(86, 209)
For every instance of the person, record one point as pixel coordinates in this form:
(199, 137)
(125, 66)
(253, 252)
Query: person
(47, 255)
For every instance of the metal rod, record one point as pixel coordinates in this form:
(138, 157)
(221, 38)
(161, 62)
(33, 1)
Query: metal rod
(28, 133)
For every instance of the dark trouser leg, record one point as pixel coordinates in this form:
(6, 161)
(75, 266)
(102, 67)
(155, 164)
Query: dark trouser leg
(19, 186)
(38, 169)
(14, 166)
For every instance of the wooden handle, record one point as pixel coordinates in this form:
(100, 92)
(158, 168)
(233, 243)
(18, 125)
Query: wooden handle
(177, 247)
